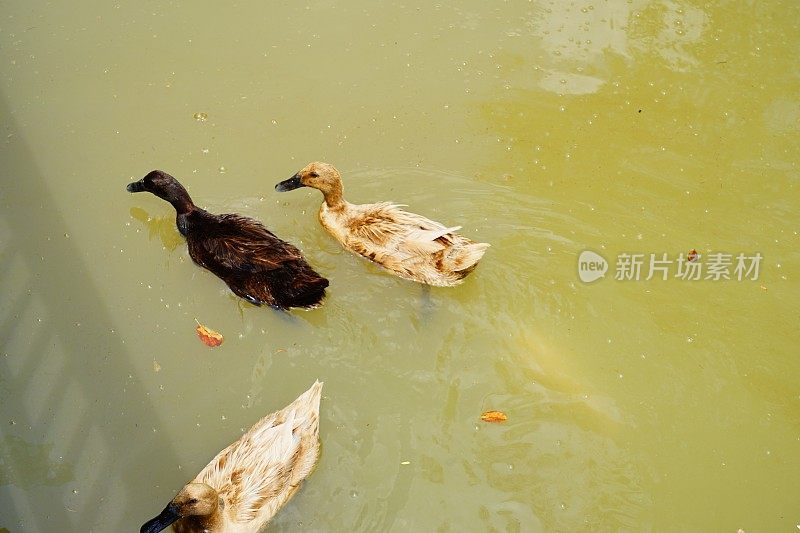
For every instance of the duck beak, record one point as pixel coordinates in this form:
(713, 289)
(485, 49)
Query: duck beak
(290, 184)
(136, 186)
(162, 521)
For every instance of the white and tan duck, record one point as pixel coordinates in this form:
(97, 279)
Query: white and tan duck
(243, 487)
(408, 245)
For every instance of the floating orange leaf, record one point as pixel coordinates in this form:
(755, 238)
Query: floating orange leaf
(692, 255)
(494, 416)
(208, 336)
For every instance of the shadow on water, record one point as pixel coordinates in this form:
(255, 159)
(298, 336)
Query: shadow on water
(68, 384)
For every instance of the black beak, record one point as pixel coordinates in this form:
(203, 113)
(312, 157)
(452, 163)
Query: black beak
(136, 186)
(290, 184)
(164, 520)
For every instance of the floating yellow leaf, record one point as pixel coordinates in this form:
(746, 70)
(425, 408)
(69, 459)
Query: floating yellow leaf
(156, 366)
(208, 336)
(494, 416)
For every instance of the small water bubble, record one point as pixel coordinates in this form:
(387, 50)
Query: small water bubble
(74, 491)
(222, 169)
(200, 116)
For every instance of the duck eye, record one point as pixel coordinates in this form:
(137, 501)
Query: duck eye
(192, 501)
(313, 174)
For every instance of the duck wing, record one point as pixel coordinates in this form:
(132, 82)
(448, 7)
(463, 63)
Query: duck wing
(387, 230)
(243, 244)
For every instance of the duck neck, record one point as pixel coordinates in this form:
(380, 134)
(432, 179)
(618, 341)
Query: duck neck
(333, 197)
(178, 196)
(183, 206)
(182, 203)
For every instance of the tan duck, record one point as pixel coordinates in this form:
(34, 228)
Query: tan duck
(408, 245)
(243, 487)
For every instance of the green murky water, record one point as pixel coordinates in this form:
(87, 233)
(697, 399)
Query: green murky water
(544, 128)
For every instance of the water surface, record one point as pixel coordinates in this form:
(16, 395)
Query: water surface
(544, 128)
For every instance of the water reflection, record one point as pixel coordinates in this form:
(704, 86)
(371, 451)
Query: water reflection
(583, 44)
(67, 378)
(40, 468)
(670, 30)
(161, 227)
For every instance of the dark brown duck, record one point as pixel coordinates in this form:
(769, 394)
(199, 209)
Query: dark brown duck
(256, 265)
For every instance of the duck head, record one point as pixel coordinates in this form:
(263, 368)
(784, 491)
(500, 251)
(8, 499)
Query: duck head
(194, 500)
(165, 187)
(322, 176)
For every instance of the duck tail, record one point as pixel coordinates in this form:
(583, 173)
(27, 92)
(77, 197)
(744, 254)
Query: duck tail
(466, 257)
(306, 292)
(308, 402)
(306, 427)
